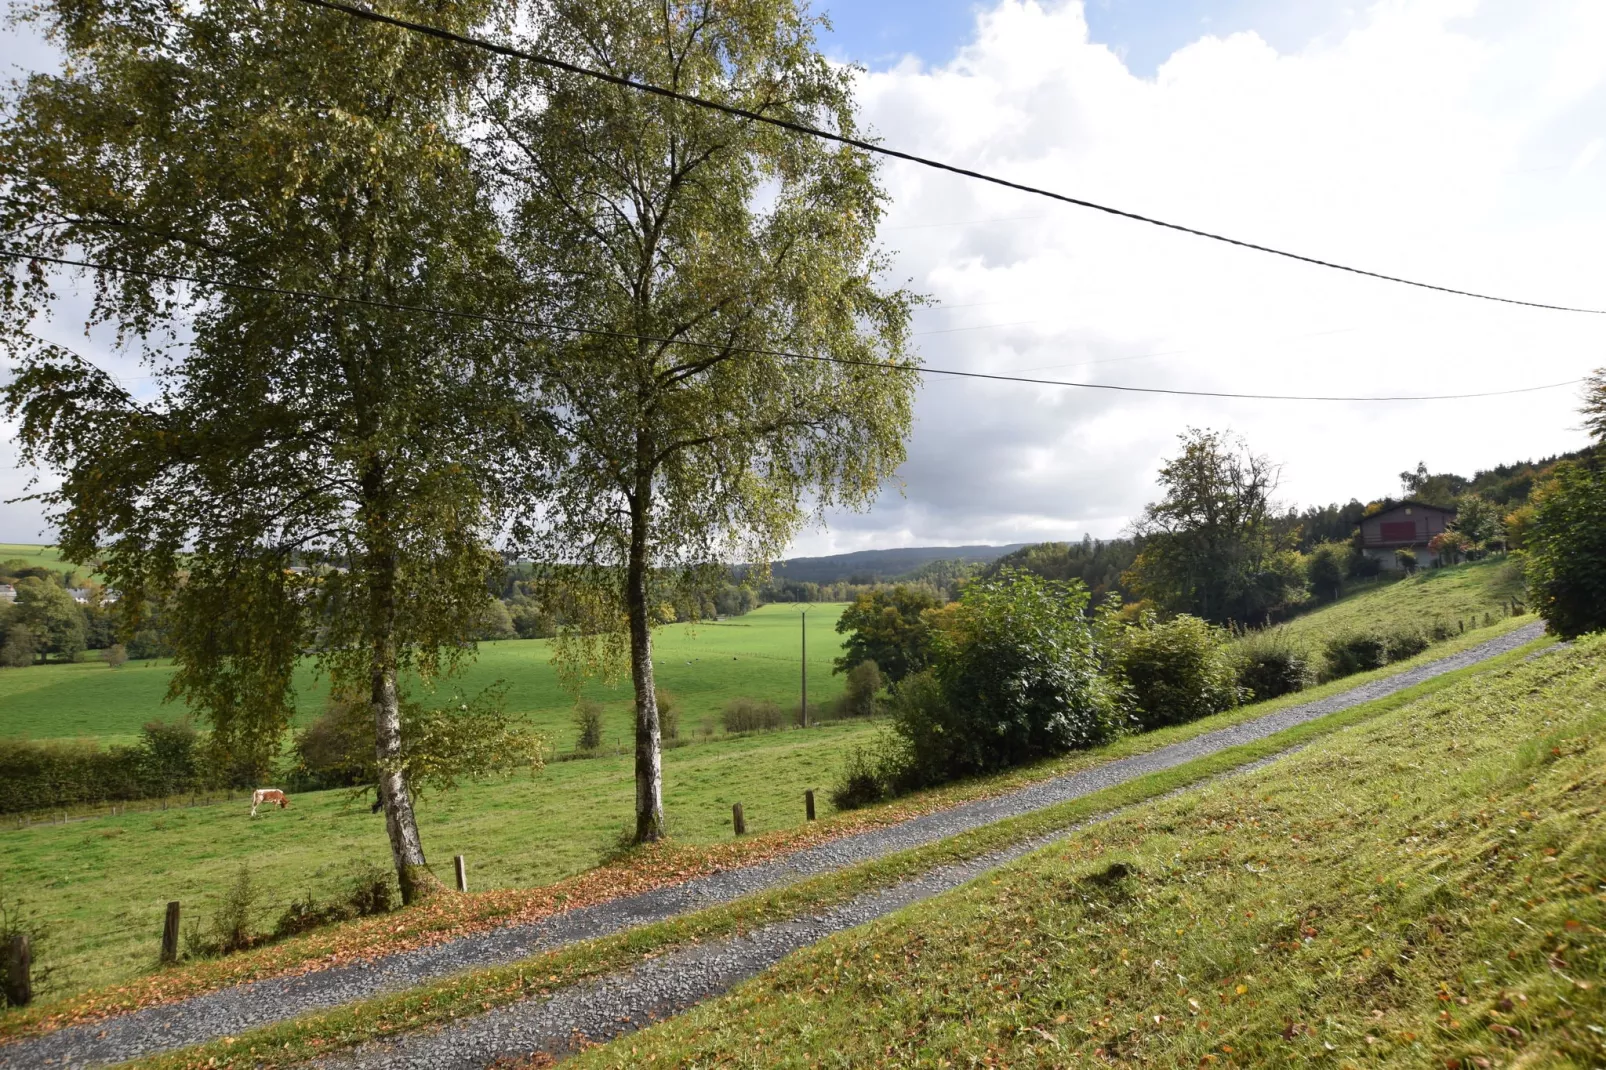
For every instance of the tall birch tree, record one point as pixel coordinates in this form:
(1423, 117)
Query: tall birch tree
(704, 244)
(268, 147)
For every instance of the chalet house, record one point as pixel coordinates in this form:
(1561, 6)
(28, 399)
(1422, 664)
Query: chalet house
(1404, 525)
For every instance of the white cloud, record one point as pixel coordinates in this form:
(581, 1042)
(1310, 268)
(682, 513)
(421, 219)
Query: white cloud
(1422, 143)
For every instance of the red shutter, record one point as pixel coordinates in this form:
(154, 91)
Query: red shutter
(1399, 531)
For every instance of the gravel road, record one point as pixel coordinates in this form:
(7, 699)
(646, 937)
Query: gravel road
(233, 1010)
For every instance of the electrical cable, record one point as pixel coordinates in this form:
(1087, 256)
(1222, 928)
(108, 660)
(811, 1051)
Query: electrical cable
(508, 51)
(512, 321)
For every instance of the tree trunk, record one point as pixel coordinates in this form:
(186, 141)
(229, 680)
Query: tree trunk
(406, 847)
(649, 758)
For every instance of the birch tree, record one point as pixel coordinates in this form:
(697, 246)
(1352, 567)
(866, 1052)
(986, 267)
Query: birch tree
(695, 247)
(263, 148)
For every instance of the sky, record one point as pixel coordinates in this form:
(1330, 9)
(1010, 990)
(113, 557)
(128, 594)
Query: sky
(1445, 140)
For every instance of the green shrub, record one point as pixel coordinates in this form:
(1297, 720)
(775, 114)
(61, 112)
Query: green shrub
(1353, 652)
(668, 714)
(1565, 548)
(233, 926)
(1016, 679)
(1325, 569)
(1269, 664)
(862, 782)
(44, 775)
(1174, 671)
(1407, 643)
(337, 749)
(588, 720)
(863, 684)
(370, 890)
(752, 715)
(1363, 651)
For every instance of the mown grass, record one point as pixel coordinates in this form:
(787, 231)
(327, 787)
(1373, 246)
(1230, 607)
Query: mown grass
(288, 1043)
(1426, 890)
(102, 884)
(1433, 597)
(703, 665)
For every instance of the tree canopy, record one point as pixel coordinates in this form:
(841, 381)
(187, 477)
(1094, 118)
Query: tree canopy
(1210, 546)
(266, 148)
(699, 250)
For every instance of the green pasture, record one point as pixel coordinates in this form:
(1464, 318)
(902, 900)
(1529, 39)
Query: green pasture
(102, 884)
(35, 555)
(703, 665)
(1440, 596)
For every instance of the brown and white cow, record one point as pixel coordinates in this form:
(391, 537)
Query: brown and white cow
(271, 796)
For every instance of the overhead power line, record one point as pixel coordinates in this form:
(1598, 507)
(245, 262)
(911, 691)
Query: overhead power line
(357, 11)
(597, 332)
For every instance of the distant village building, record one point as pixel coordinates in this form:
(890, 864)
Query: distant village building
(80, 594)
(8, 593)
(1405, 525)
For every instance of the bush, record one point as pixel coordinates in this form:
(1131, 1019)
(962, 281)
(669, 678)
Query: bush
(52, 774)
(1174, 671)
(1565, 548)
(1016, 679)
(116, 655)
(1363, 651)
(1269, 664)
(1407, 643)
(232, 927)
(337, 749)
(370, 890)
(588, 719)
(1355, 652)
(859, 699)
(668, 714)
(1324, 570)
(862, 782)
(752, 715)
(19, 650)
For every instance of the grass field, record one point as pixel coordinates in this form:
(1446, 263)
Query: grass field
(1422, 890)
(33, 554)
(1440, 596)
(703, 665)
(102, 883)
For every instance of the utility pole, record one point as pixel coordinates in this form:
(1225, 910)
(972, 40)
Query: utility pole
(804, 617)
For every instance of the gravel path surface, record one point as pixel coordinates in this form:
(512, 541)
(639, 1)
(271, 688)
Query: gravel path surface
(234, 1010)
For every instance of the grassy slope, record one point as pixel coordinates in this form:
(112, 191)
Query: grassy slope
(34, 554)
(1434, 596)
(101, 884)
(755, 655)
(1423, 890)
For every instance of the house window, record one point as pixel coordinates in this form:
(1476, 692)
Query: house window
(1408, 511)
(1399, 531)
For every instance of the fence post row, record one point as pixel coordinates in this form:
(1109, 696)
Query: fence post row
(808, 803)
(736, 819)
(462, 873)
(170, 933)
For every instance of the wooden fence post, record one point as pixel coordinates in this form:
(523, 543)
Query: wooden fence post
(462, 873)
(808, 803)
(736, 819)
(19, 971)
(170, 933)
